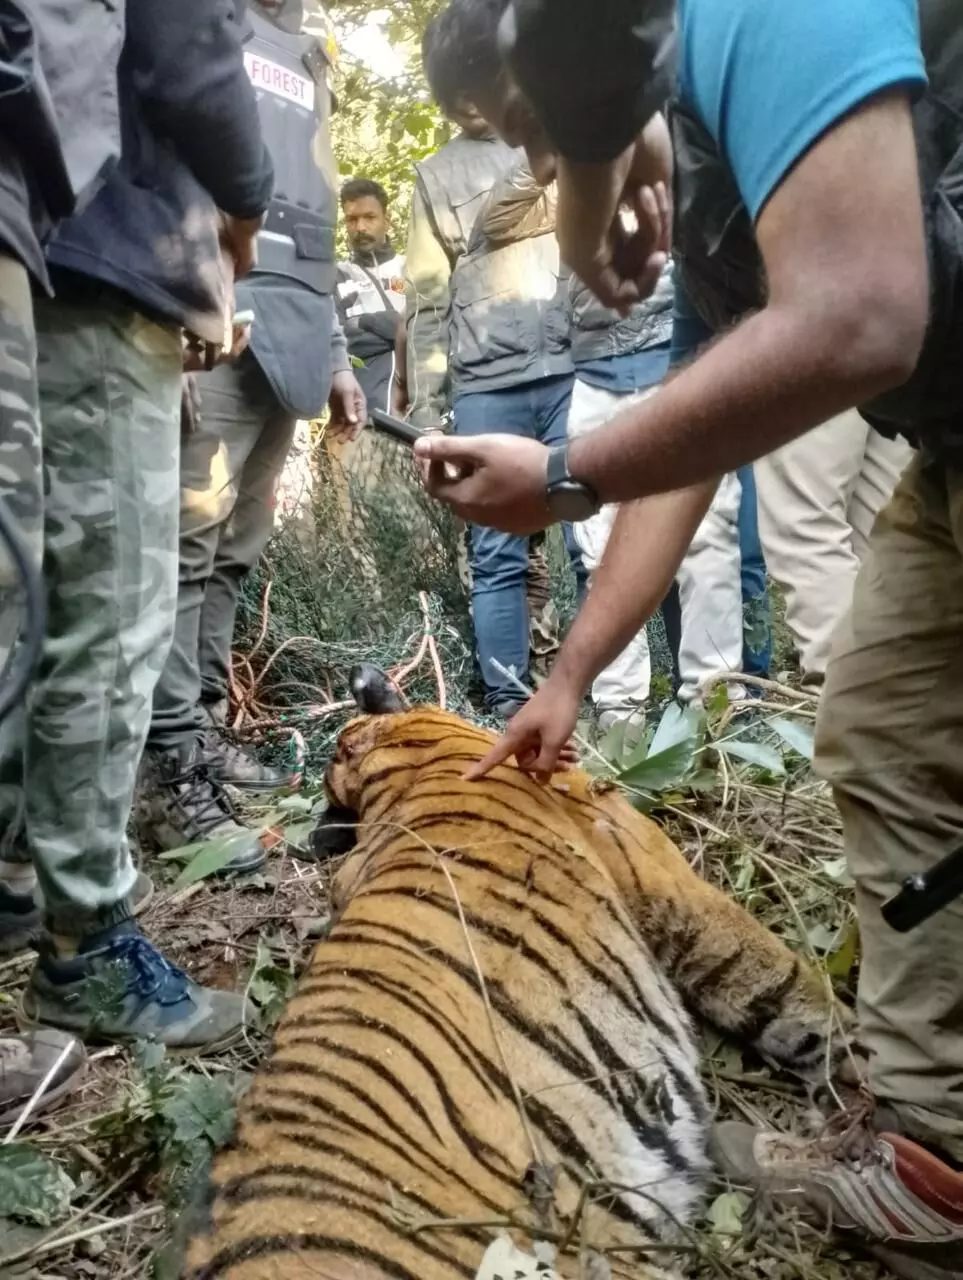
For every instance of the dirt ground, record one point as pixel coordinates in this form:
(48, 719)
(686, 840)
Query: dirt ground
(110, 1172)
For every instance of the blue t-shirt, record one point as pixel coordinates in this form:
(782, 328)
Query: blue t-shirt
(768, 77)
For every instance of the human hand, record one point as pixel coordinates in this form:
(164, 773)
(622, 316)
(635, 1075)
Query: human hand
(497, 481)
(539, 736)
(620, 264)
(239, 241)
(349, 411)
(201, 356)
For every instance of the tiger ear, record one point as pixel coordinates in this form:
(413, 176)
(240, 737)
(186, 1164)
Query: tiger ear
(374, 692)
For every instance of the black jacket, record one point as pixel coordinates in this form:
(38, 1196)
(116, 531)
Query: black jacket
(191, 141)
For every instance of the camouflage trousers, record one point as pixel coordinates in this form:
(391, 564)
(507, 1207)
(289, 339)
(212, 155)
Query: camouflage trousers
(109, 387)
(21, 477)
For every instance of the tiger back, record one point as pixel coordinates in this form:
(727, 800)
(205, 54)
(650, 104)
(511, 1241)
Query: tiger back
(487, 1041)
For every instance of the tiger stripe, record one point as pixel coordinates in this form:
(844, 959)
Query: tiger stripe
(493, 942)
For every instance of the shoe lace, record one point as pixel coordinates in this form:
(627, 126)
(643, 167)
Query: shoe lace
(150, 975)
(201, 796)
(848, 1133)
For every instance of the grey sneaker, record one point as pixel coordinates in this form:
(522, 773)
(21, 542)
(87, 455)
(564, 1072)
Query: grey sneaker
(178, 803)
(120, 988)
(232, 765)
(902, 1201)
(24, 1064)
(21, 914)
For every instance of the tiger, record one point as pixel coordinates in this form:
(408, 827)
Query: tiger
(497, 1036)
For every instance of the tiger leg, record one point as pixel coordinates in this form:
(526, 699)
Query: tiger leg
(729, 968)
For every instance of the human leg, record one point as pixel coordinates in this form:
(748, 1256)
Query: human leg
(889, 740)
(804, 492)
(623, 686)
(109, 383)
(21, 491)
(499, 561)
(884, 462)
(756, 609)
(552, 399)
(234, 406)
(710, 593)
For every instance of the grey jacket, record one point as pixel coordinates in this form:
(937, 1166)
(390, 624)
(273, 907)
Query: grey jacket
(486, 302)
(450, 188)
(510, 321)
(520, 208)
(599, 333)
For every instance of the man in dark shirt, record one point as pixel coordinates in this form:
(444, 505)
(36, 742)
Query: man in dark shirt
(371, 289)
(233, 458)
(134, 269)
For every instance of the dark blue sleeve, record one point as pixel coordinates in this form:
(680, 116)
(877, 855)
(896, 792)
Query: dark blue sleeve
(769, 77)
(689, 331)
(188, 67)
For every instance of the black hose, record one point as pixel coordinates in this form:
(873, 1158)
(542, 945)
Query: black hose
(23, 659)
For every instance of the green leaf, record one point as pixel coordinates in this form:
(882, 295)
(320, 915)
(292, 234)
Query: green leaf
(757, 753)
(201, 1108)
(727, 1212)
(295, 804)
(612, 745)
(843, 960)
(666, 761)
(795, 734)
(32, 1187)
(679, 724)
(213, 856)
(661, 771)
(719, 701)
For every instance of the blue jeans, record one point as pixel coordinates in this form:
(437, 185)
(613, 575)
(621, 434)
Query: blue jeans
(757, 611)
(499, 561)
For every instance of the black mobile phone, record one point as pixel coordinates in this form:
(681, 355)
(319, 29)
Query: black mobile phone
(394, 427)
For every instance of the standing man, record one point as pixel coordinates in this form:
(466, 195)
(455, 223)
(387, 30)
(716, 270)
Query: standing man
(231, 461)
(371, 290)
(781, 116)
(74, 135)
(138, 265)
(488, 337)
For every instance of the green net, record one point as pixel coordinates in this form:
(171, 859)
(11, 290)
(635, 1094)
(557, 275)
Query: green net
(364, 567)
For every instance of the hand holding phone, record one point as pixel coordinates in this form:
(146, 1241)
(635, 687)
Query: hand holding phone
(387, 424)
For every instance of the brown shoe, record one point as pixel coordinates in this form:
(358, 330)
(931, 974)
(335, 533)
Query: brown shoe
(901, 1199)
(24, 1063)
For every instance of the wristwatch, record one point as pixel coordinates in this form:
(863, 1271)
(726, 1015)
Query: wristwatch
(568, 499)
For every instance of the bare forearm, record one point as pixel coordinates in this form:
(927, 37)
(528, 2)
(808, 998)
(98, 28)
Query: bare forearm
(645, 549)
(773, 378)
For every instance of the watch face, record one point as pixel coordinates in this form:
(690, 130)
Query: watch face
(572, 502)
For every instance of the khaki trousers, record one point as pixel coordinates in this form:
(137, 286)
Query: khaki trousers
(818, 500)
(890, 740)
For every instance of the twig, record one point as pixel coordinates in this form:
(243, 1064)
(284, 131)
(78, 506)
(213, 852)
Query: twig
(98, 1229)
(39, 1092)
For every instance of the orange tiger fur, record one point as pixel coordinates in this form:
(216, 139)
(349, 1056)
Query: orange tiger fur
(390, 1100)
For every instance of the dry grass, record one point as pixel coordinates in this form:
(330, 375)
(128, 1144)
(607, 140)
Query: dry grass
(775, 846)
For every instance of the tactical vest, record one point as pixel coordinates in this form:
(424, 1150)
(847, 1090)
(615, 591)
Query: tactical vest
(290, 76)
(721, 269)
